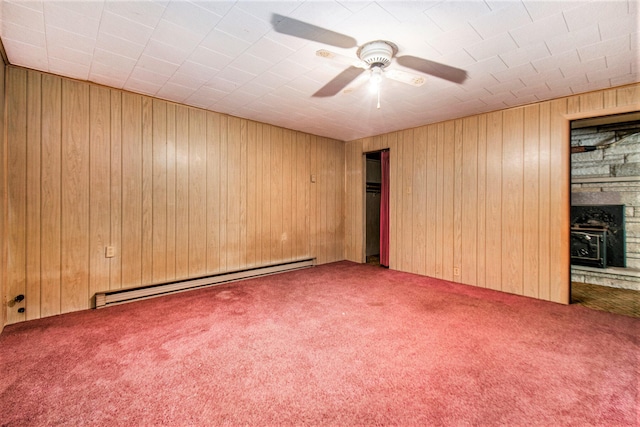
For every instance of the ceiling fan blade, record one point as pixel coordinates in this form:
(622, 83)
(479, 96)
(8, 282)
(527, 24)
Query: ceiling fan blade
(339, 82)
(303, 30)
(342, 59)
(404, 77)
(432, 68)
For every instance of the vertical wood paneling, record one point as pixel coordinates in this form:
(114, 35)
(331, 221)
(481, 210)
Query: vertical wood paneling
(559, 196)
(170, 257)
(544, 201)
(512, 203)
(431, 191)
(182, 192)
(252, 195)
(115, 265)
(177, 191)
(99, 188)
(232, 223)
(75, 196)
(34, 170)
(531, 201)
(160, 187)
(419, 200)
(439, 208)
(147, 190)
(131, 190)
(287, 237)
(457, 200)
(17, 188)
(3, 200)
(493, 208)
(243, 193)
(448, 202)
(470, 202)
(266, 193)
(496, 200)
(213, 192)
(481, 203)
(197, 193)
(51, 200)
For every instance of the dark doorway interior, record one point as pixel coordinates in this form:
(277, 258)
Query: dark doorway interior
(372, 205)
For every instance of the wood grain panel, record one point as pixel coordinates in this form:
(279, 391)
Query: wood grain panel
(182, 192)
(51, 199)
(75, 196)
(197, 193)
(457, 199)
(3, 200)
(115, 219)
(440, 177)
(170, 176)
(233, 224)
(17, 189)
(481, 204)
(131, 190)
(448, 202)
(266, 192)
(147, 190)
(159, 166)
(493, 253)
(243, 192)
(544, 201)
(531, 201)
(591, 101)
(419, 201)
(512, 203)
(287, 196)
(431, 192)
(253, 210)
(160, 182)
(213, 193)
(470, 202)
(559, 202)
(99, 188)
(34, 170)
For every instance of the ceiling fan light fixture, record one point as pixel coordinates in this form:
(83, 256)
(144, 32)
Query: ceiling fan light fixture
(375, 80)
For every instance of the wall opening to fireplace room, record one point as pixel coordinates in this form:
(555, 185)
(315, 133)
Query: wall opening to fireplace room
(605, 201)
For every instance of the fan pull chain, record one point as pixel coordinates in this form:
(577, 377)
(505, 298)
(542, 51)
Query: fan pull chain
(378, 98)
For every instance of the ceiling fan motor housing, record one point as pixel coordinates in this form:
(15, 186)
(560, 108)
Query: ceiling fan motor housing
(377, 53)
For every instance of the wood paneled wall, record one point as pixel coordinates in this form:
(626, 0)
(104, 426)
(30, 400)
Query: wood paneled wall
(482, 200)
(178, 191)
(3, 200)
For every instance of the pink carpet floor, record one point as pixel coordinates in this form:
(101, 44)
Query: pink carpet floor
(340, 344)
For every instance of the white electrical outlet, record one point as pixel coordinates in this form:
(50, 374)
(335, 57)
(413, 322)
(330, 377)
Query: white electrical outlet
(456, 271)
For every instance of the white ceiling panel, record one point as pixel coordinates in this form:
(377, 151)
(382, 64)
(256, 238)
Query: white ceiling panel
(508, 15)
(238, 58)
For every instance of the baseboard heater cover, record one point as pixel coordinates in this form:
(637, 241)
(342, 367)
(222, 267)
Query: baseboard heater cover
(120, 296)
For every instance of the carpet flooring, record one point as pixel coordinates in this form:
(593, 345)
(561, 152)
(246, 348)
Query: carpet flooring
(339, 344)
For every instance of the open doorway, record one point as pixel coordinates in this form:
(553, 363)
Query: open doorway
(376, 212)
(373, 194)
(605, 213)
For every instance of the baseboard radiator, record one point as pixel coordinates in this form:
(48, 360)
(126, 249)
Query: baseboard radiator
(120, 296)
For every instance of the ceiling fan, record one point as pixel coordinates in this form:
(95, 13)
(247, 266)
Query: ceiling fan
(374, 56)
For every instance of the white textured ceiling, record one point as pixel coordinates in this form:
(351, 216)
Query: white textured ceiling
(225, 56)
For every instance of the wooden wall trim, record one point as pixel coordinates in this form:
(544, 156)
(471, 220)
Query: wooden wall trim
(497, 194)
